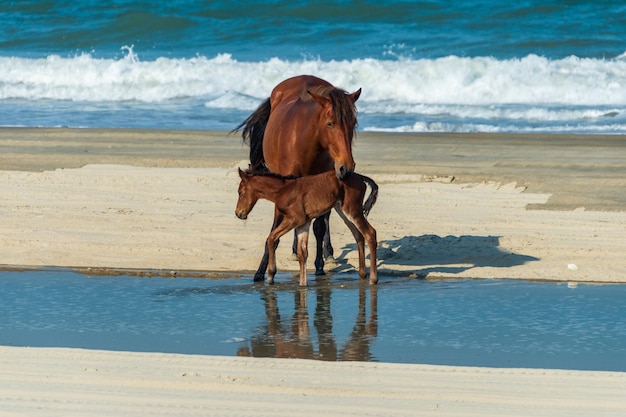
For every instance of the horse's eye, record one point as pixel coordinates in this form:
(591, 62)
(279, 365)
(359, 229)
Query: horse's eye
(330, 124)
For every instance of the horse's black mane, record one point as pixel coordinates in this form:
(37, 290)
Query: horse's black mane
(253, 131)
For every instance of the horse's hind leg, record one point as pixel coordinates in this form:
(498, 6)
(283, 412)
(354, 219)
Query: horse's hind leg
(259, 275)
(294, 246)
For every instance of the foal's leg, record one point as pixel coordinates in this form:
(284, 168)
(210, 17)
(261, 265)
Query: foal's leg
(355, 217)
(259, 275)
(366, 229)
(358, 237)
(283, 227)
(302, 233)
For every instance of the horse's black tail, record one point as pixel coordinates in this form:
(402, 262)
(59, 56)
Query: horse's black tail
(371, 199)
(253, 131)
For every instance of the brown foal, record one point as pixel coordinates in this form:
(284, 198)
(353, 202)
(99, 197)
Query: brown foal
(300, 200)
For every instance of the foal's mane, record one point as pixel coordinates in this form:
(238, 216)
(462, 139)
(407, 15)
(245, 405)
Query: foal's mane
(343, 107)
(267, 173)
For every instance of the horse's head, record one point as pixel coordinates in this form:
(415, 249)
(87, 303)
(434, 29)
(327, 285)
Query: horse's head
(336, 125)
(247, 196)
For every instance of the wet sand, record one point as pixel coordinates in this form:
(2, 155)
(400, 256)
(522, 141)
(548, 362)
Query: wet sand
(450, 206)
(576, 170)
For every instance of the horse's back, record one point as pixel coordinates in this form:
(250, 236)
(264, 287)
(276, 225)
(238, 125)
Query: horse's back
(296, 87)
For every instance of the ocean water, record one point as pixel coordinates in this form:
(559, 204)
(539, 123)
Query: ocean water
(495, 323)
(427, 66)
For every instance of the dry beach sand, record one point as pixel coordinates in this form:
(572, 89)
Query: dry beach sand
(74, 382)
(450, 206)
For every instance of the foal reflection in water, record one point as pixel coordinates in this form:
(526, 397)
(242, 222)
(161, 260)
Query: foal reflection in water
(300, 200)
(290, 336)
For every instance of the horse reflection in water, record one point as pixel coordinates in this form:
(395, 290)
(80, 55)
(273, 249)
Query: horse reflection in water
(291, 337)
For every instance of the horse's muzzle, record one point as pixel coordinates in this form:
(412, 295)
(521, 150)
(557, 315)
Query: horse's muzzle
(343, 172)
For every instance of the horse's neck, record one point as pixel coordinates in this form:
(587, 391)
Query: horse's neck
(269, 188)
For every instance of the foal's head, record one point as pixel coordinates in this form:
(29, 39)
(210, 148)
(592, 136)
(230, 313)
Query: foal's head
(247, 196)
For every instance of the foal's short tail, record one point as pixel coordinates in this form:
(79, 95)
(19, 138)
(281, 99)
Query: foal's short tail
(371, 199)
(253, 131)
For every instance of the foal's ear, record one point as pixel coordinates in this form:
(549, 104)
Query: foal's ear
(322, 101)
(355, 96)
(242, 174)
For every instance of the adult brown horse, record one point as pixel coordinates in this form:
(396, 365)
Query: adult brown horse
(305, 127)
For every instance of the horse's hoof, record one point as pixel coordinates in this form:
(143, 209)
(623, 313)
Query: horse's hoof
(331, 263)
(259, 277)
(319, 272)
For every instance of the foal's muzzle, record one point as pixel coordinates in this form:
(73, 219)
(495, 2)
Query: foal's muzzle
(241, 214)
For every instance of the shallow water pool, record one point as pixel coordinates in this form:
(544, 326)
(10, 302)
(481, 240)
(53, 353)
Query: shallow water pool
(496, 323)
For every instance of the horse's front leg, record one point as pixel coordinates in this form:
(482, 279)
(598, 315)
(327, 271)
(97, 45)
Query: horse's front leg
(259, 275)
(329, 252)
(319, 230)
(325, 252)
(302, 233)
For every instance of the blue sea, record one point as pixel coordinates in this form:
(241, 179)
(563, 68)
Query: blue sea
(424, 66)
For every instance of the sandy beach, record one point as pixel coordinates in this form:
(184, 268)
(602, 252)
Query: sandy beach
(460, 206)
(450, 206)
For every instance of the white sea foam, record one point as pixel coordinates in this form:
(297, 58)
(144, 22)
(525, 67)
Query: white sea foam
(436, 94)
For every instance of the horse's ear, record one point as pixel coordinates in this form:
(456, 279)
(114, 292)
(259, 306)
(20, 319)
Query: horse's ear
(355, 96)
(322, 101)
